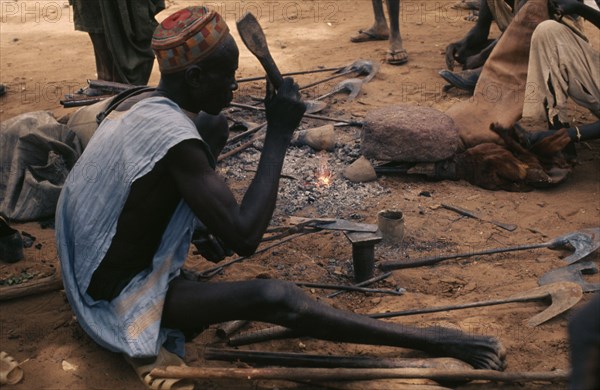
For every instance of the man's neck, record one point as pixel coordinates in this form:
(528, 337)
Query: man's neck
(173, 93)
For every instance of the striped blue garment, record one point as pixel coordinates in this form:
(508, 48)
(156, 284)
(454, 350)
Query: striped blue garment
(125, 147)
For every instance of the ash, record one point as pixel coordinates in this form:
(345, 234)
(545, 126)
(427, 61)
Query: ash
(300, 192)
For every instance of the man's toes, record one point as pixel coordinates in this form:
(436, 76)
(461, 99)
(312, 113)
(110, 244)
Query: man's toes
(396, 57)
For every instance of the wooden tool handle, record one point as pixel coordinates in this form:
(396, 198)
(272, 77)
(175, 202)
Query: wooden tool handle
(254, 38)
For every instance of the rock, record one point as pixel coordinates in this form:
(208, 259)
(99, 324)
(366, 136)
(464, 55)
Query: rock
(360, 170)
(318, 138)
(409, 133)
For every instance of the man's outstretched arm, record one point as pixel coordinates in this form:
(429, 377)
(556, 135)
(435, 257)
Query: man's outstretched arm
(576, 7)
(239, 226)
(474, 41)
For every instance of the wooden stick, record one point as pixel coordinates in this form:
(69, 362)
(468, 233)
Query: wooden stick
(246, 133)
(109, 86)
(50, 283)
(68, 103)
(266, 334)
(228, 328)
(240, 148)
(354, 374)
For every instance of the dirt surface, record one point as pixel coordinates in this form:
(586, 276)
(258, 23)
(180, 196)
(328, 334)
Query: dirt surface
(42, 58)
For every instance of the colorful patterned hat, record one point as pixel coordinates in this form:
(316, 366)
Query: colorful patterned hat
(186, 37)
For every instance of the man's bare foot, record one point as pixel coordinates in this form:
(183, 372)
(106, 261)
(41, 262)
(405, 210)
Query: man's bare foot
(482, 352)
(371, 34)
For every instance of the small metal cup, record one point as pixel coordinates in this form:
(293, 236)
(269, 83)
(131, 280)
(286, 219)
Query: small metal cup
(391, 225)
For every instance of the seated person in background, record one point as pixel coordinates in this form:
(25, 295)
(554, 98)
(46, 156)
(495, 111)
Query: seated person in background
(473, 50)
(584, 337)
(129, 207)
(562, 64)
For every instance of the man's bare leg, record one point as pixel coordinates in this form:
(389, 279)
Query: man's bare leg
(396, 54)
(193, 305)
(379, 30)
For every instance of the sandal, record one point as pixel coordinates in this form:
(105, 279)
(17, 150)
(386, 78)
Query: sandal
(367, 36)
(396, 57)
(164, 358)
(10, 371)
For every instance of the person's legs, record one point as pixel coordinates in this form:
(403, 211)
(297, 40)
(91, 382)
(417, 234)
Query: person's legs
(105, 66)
(561, 65)
(396, 55)
(192, 305)
(379, 30)
(584, 336)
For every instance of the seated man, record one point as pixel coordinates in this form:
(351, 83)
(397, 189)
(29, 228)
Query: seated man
(473, 50)
(129, 207)
(561, 64)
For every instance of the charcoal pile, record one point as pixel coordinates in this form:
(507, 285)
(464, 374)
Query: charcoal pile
(312, 181)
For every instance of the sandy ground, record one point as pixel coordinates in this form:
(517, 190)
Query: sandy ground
(42, 58)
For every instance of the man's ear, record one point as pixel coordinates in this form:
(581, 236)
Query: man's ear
(194, 76)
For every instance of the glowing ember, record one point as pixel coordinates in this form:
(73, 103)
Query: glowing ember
(324, 175)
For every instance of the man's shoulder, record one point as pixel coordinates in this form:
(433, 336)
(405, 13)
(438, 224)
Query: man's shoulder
(160, 113)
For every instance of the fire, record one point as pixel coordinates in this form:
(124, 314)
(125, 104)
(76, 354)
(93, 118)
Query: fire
(323, 174)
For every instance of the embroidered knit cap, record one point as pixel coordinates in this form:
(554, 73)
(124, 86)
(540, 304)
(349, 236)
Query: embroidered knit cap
(187, 37)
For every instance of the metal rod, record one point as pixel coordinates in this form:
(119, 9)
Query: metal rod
(256, 78)
(214, 270)
(348, 288)
(363, 284)
(290, 359)
(312, 116)
(326, 79)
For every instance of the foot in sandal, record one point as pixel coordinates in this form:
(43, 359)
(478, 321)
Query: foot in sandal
(369, 35)
(165, 358)
(10, 371)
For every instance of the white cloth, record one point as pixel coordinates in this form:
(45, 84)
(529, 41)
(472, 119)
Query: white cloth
(125, 147)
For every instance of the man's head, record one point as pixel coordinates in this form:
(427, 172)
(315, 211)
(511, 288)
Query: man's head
(197, 58)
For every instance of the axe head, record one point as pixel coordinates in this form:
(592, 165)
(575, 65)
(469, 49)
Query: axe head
(563, 296)
(583, 242)
(353, 86)
(361, 67)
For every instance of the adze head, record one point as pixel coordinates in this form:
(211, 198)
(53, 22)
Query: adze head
(563, 296)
